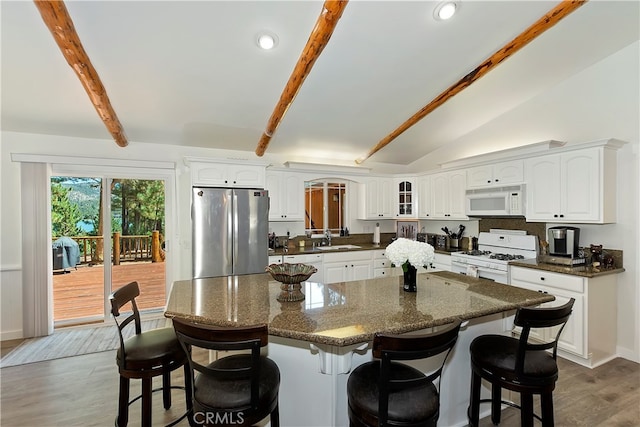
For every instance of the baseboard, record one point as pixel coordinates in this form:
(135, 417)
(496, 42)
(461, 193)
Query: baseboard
(11, 335)
(627, 354)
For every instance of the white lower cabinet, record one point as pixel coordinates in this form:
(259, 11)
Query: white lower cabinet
(441, 262)
(347, 266)
(310, 259)
(589, 337)
(382, 266)
(275, 259)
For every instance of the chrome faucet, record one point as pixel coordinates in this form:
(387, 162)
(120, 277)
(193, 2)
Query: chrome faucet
(327, 235)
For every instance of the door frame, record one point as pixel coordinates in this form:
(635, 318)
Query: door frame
(107, 174)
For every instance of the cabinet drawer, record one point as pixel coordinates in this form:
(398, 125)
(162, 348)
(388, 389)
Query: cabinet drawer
(381, 263)
(305, 259)
(275, 259)
(347, 256)
(548, 279)
(381, 272)
(379, 254)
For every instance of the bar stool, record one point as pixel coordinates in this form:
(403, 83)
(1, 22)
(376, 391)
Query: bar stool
(517, 365)
(385, 392)
(143, 356)
(240, 389)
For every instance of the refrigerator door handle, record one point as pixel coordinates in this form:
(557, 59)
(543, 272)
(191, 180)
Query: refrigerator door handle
(229, 237)
(235, 231)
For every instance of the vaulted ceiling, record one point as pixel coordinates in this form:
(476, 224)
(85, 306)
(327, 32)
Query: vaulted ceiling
(190, 73)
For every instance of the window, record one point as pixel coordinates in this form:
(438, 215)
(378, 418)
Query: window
(325, 206)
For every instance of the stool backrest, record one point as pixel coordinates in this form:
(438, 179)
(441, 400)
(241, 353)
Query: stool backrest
(224, 339)
(389, 348)
(119, 298)
(540, 317)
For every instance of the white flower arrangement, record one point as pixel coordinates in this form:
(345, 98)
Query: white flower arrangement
(405, 252)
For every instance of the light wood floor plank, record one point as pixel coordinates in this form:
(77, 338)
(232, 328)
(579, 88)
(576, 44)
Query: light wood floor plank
(83, 391)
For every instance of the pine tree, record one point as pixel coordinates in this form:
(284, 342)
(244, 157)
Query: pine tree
(64, 214)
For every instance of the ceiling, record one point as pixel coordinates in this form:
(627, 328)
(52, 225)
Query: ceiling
(190, 73)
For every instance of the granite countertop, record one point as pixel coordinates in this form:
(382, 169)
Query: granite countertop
(583, 271)
(306, 250)
(344, 313)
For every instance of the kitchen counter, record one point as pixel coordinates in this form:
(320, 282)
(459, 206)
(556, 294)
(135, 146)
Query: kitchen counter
(317, 342)
(583, 271)
(344, 313)
(306, 250)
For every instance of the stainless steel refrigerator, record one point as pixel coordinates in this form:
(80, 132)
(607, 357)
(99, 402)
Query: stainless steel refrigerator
(230, 231)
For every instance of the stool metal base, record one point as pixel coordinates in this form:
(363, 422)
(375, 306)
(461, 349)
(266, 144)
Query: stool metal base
(172, 423)
(503, 402)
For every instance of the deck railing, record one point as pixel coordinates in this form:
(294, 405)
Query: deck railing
(124, 248)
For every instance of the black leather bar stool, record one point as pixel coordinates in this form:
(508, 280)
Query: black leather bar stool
(239, 389)
(145, 355)
(517, 365)
(384, 392)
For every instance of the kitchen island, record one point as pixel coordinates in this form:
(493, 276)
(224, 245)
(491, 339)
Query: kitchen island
(316, 342)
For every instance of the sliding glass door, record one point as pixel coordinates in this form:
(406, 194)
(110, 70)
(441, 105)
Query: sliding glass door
(106, 232)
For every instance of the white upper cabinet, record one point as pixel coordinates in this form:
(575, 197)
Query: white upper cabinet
(405, 196)
(376, 199)
(227, 175)
(504, 173)
(286, 196)
(424, 197)
(574, 187)
(448, 195)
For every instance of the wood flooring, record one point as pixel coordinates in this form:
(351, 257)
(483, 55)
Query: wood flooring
(83, 391)
(80, 293)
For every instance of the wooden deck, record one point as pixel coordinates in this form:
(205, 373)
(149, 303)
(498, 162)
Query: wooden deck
(79, 293)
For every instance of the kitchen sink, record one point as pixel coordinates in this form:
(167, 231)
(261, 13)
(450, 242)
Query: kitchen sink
(337, 247)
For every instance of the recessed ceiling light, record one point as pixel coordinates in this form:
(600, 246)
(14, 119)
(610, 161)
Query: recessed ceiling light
(445, 10)
(267, 40)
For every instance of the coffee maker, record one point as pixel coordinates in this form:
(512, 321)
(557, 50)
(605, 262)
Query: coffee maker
(563, 241)
(563, 246)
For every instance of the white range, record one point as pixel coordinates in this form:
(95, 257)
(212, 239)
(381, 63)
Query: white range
(495, 249)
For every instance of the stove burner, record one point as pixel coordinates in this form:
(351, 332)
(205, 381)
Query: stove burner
(476, 252)
(506, 257)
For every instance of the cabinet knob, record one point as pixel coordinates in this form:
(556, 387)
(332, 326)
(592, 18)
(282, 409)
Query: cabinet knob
(542, 278)
(497, 180)
(488, 181)
(555, 215)
(225, 181)
(561, 215)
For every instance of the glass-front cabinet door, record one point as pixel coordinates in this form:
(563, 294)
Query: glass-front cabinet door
(405, 198)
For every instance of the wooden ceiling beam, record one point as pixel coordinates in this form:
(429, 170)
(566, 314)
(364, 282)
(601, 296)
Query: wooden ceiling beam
(55, 16)
(551, 18)
(319, 38)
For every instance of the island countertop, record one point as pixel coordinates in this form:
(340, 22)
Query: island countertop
(344, 313)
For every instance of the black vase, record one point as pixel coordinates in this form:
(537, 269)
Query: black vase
(410, 279)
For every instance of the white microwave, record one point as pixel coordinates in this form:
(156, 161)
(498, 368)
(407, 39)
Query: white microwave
(496, 201)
